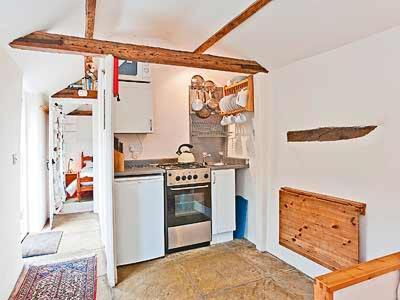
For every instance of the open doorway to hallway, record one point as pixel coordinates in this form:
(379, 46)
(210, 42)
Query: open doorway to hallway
(62, 136)
(80, 239)
(70, 141)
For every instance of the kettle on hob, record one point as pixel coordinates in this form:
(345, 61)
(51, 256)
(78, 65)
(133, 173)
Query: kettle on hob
(185, 157)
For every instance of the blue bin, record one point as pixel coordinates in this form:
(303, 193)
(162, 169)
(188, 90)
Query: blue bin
(241, 217)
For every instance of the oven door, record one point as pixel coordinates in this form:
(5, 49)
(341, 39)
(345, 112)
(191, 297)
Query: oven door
(188, 204)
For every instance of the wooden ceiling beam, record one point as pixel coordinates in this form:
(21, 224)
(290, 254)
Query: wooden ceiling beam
(90, 17)
(90, 14)
(246, 14)
(56, 43)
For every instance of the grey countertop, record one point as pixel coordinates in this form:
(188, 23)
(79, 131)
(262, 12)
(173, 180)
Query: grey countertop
(230, 166)
(140, 171)
(148, 167)
(232, 163)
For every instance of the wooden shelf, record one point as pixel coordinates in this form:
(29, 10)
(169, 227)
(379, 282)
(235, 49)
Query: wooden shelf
(233, 112)
(82, 113)
(237, 87)
(73, 93)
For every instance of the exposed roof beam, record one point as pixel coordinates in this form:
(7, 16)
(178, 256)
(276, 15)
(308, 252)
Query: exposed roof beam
(56, 43)
(247, 13)
(90, 14)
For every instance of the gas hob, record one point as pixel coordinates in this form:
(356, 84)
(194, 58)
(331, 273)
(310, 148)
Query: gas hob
(186, 174)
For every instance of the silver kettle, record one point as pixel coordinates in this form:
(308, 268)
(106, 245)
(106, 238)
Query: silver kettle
(185, 157)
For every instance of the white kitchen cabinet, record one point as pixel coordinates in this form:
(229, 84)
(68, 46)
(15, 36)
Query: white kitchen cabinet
(223, 204)
(139, 218)
(134, 112)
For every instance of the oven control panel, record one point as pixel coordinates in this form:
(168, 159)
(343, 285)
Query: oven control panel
(188, 176)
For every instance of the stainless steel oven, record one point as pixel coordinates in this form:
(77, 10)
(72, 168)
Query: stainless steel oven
(188, 208)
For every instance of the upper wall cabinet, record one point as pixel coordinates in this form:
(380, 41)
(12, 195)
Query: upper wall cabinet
(134, 112)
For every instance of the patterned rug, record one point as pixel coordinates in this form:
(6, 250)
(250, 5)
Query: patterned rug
(71, 280)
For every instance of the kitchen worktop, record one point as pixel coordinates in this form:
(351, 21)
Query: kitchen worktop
(149, 167)
(138, 171)
(231, 163)
(229, 166)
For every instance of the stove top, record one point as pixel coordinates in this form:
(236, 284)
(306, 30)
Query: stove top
(178, 166)
(186, 174)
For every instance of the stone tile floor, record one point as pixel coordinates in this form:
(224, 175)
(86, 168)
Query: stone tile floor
(233, 270)
(81, 238)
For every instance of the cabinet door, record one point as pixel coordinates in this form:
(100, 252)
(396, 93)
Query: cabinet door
(139, 220)
(223, 201)
(134, 112)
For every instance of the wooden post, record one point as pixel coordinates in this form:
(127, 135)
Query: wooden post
(321, 292)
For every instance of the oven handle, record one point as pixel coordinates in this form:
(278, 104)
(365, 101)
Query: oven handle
(189, 188)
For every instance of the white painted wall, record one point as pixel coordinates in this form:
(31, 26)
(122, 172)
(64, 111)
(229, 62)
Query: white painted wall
(353, 85)
(241, 144)
(171, 111)
(10, 99)
(78, 138)
(35, 156)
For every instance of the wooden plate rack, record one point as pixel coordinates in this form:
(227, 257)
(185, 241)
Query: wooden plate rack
(237, 87)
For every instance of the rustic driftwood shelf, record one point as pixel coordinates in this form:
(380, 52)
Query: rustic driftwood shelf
(322, 228)
(327, 134)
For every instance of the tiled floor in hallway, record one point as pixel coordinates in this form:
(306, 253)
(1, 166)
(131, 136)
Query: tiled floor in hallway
(234, 270)
(81, 238)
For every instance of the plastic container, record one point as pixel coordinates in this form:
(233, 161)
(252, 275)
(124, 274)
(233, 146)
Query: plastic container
(241, 217)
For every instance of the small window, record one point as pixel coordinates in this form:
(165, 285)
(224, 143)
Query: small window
(128, 68)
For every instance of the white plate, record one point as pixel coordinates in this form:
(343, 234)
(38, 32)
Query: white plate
(233, 105)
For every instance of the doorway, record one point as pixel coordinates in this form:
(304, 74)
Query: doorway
(78, 160)
(71, 154)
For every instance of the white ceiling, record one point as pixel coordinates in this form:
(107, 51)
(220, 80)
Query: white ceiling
(282, 32)
(43, 72)
(286, 31)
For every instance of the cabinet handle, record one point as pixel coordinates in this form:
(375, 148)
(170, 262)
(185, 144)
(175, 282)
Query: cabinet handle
(151, 125)
(190, 188)
(104, 109)
(14, 159)
(213, 179)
